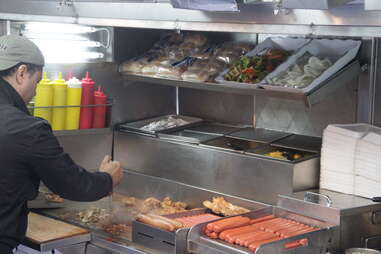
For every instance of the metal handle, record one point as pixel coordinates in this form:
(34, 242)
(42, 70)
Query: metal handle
(317, 198)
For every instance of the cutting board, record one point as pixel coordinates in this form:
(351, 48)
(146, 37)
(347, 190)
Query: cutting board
(42, 229)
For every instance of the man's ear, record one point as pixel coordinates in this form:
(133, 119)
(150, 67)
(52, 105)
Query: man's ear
(21, 73)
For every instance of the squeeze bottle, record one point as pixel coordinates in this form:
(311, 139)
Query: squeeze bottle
(74, 93)
(44, 98)
(86, 116)
(59, 99)
(99, 120)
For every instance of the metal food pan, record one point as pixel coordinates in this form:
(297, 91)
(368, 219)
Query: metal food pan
(313, 4)
(136, 126)
(232, 144)
(259, 134)
(187, 136)
(214, 128)
(318, 241)
(300, 142)
(284, 43)
(262, 151)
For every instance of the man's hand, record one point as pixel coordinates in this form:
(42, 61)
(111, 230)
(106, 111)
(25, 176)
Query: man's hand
(113, 168)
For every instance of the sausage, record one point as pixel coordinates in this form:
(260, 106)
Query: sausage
(229, 232)
(240, 240)
(261, 237)
(260, 219)
(292, 229)
(299, 232)
(211, 225)
(175, 223)
(231, 236)
(213, 235)
(234, 223)
(207, 231)
(253, 246)
(278, 227)
(155, 222)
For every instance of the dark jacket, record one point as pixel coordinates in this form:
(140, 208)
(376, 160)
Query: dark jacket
(29, 152)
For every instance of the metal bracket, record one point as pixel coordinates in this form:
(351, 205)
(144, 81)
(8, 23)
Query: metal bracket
(318, 198)
(64, 3)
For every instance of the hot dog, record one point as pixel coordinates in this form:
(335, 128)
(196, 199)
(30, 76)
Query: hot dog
(231, 236)
(264, 236)
(155, 222)
(210, 226)
(229, 232)
(291, 229)
(213, 235)
(299, 232)
(240, 240)
(229, 223)
(265, 218)
(255, 245)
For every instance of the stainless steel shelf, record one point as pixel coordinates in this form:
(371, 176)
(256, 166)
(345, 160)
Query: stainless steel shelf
(341, 78)
(95, 131)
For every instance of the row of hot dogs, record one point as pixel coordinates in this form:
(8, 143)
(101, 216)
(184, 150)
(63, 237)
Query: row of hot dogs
(252, 233)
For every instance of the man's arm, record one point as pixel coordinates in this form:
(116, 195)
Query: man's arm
(60, 173)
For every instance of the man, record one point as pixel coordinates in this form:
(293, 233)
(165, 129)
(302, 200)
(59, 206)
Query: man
(29, 152)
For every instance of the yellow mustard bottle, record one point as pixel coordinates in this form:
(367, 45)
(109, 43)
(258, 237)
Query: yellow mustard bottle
(59, 99)
(74, 94)
(44, 98)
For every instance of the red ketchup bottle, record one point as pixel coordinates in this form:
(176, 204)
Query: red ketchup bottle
(99, 120)
(86, 116)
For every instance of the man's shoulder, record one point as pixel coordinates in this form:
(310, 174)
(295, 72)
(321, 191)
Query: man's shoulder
(17, 122)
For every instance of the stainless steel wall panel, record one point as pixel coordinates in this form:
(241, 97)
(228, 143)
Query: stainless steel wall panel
(297, 117)
(86, 147)
(231, 173)
(220, 107)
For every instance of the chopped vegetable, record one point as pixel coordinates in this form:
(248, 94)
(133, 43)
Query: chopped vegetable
(253, 69)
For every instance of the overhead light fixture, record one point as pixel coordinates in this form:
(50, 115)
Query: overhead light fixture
(66, 43)
(43, 27)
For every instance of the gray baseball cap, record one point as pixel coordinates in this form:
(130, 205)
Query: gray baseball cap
(16, 49)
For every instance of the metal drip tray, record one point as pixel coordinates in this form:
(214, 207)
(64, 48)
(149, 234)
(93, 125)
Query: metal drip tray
(300, 142)
(259, 134)
(232, 144)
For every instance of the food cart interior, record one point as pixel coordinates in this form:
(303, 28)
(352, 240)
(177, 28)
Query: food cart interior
(228, 148)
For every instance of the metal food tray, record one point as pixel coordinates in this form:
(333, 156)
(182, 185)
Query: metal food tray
(288, 44)
(162, 240)
(136, 126)
(318, 241)
(259, 134)
(313, 4)
(300, 142)
(340, 52)
(214, 128)
(187, 136)
(232, 144)
(261, 151)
